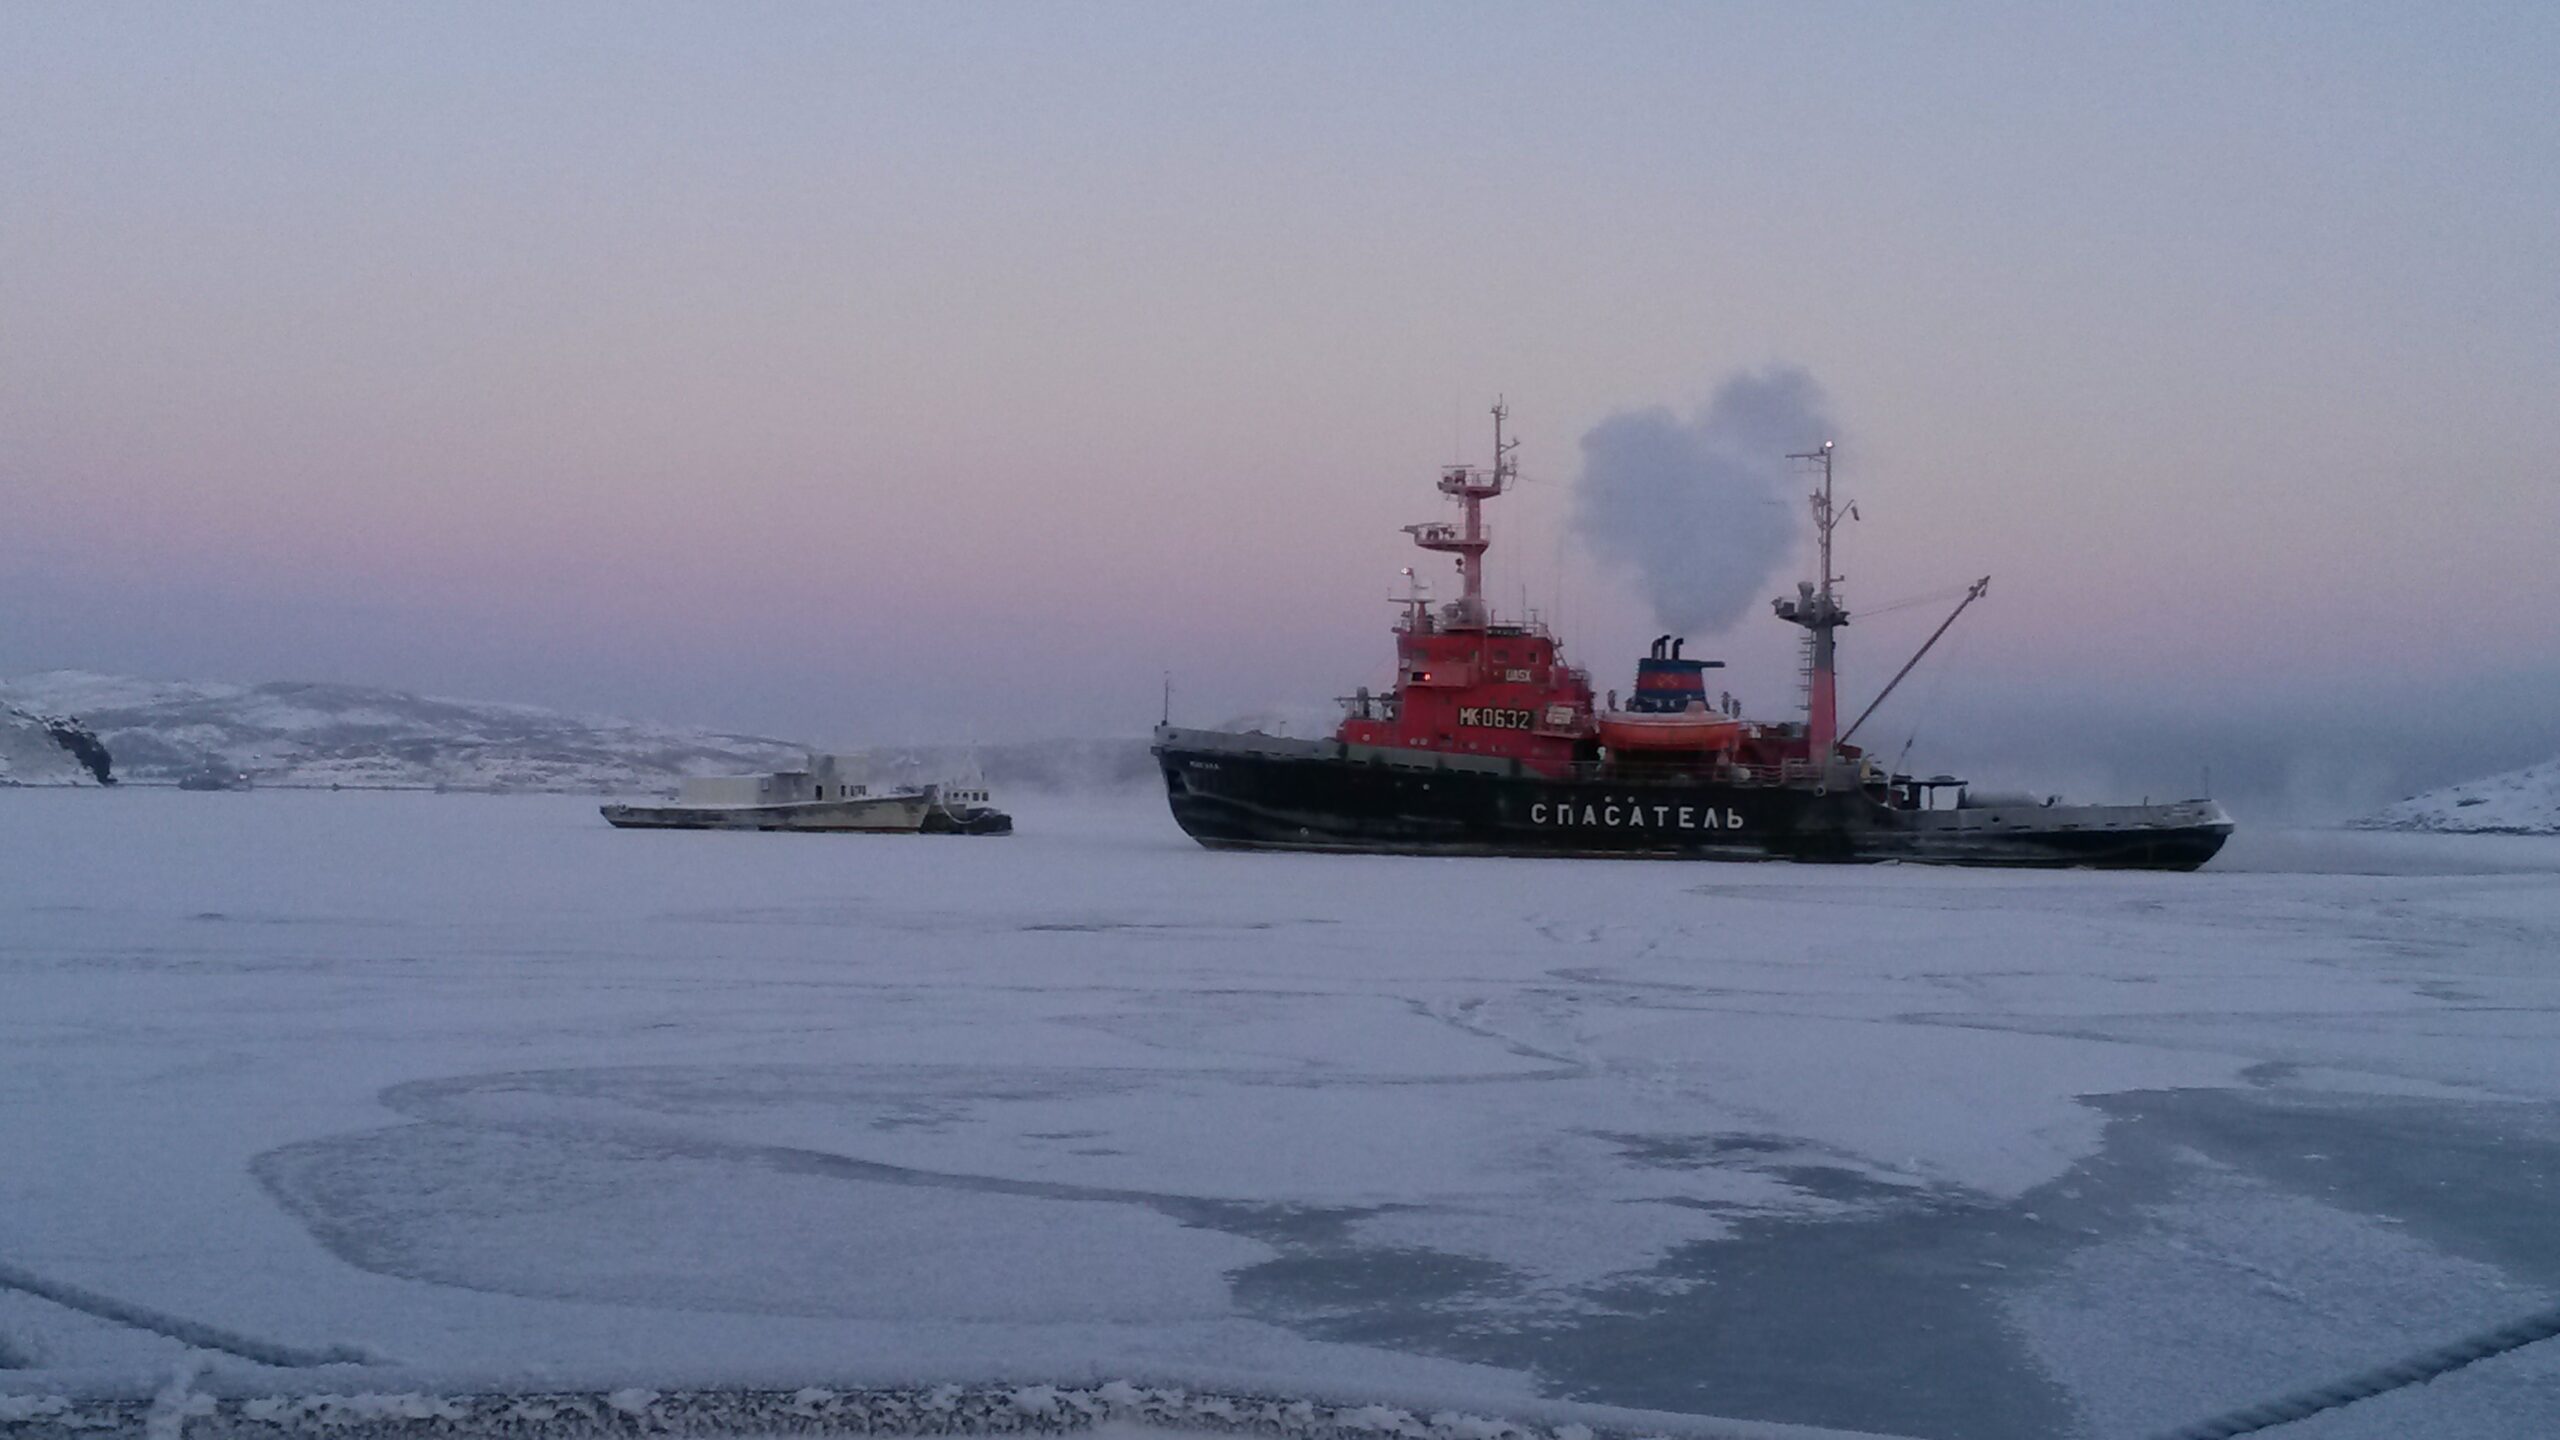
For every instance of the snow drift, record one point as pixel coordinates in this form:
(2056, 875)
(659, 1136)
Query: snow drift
(2517, 802)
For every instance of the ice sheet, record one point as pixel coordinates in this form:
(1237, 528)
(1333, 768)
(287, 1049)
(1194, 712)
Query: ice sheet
(491, 1093)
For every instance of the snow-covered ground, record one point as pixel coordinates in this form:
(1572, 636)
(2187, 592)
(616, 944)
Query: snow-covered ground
(2515, 802)
(292, 733)
(402, 1092)
(297, 734)
(30, 755)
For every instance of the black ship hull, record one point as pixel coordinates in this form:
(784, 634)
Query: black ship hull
(1265, 793)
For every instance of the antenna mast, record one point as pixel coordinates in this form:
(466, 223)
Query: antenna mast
(1470, 487)
(1818, 610)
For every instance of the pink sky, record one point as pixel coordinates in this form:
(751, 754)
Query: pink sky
(918, 370)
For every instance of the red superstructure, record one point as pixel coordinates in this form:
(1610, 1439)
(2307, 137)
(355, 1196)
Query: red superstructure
(1465, 683)
(1468, 684)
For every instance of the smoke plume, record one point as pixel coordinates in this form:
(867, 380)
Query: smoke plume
(1702, 510)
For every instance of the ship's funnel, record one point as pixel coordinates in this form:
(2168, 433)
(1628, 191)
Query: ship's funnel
(1667, 684)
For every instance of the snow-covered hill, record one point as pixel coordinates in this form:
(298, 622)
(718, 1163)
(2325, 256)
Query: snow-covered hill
(2519, 802)
(304, 734)
(31, 753)
(289, 733)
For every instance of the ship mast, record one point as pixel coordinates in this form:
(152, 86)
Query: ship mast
(1470, 486)
(1819, 611)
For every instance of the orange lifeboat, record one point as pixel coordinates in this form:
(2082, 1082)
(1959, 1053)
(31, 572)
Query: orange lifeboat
(1669, 710)
(1697, 728)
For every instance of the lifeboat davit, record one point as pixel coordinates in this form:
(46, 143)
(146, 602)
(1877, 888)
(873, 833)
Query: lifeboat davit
(1698, 729)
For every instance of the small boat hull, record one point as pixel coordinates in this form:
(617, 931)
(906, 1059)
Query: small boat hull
(912, 812)
(967, 820)
(878, 814)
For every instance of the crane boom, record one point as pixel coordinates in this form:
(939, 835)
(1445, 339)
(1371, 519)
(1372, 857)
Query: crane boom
(1979, 586)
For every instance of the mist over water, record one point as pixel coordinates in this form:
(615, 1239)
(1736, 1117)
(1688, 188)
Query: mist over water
(2310, 754)
(1701, 510)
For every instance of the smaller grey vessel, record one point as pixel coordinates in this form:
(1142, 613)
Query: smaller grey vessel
(827, 795)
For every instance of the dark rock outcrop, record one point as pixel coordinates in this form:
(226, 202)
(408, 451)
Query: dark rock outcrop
(84, 746)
